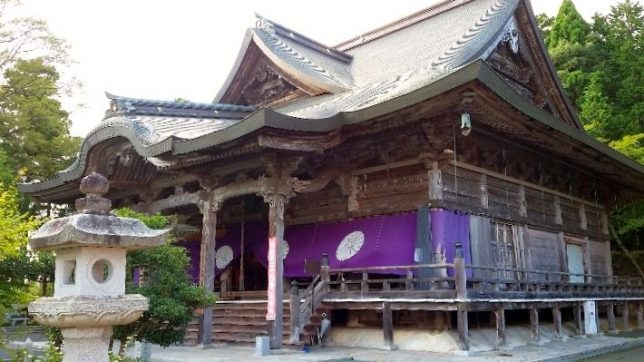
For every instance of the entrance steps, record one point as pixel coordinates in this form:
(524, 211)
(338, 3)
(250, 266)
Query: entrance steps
(239, 322)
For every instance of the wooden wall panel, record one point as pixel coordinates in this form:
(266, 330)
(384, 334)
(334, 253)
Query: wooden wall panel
(543, 252)
(600, 263)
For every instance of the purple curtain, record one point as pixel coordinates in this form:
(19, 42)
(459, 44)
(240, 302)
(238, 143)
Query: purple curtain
(448, 227)
(388, 240)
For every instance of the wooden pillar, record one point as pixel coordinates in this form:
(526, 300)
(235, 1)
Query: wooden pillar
(275, 305)
(435, 183)
(207, 263)
(500, 326)
(579, 322)
(324, 271)
(534, 324)
(388, 326)
(295, 312)
(610, 315)
(459, 272)
(557, 210)
(463, 330)
(461, 294)
(625, 318)
(640, 315)
(556, 320)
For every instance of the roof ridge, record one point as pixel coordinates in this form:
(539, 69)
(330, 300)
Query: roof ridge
(148, 107)
(275, 28)
(122, 101)
(401, 23)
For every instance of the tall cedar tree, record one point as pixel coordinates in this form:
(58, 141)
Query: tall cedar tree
(33, 127)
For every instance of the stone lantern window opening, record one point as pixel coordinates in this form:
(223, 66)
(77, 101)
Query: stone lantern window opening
(102, 271)
(69, 272)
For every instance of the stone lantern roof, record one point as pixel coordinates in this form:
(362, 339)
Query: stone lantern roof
(94, 225)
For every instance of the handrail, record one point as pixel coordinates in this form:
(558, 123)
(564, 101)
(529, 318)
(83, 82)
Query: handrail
(387, 268)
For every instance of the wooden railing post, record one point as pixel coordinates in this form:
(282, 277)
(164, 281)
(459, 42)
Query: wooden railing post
(324, 271)
(409, 283)
(640, 315)
(295, 312)
(364, 285)
(459, 272)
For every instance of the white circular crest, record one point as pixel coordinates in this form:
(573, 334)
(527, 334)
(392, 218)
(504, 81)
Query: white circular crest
(285, 249)
(350, 245)
(223, 257)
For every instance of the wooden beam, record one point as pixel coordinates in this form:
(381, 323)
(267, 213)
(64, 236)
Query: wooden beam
(387, 166)
(500, 327)
(172, 202)
(556, 321)
(517, 181)
(388, 327)
(207, 263)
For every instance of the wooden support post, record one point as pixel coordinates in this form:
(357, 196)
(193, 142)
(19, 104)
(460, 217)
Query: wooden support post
(207, 263)
(556, 321)
(459, 272)
(485, 198)
(626, 322)
(388, 327)
(409, 283)
(275, 305)
(610, 315)
(534, 324)
(523, 205)
(324, 271)
(557, 209)
(583, 220)
(435, 183)
(640, 315)
(295, 312)
(500, 327)
(579, 321)
(463, 330)
(364, 286)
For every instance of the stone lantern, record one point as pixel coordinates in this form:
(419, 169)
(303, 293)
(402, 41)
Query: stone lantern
(89, 290)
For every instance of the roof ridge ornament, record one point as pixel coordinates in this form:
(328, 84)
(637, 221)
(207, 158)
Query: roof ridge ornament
(264, 24)
(511, 35)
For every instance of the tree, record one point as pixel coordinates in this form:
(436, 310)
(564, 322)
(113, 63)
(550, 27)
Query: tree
(164, 280)
(33, 126)
(601, 66)
(24, 37)
(14, 226)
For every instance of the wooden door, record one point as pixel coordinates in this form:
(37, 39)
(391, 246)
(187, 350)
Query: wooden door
(575, 254)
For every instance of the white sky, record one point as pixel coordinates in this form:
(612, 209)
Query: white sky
(161, 49)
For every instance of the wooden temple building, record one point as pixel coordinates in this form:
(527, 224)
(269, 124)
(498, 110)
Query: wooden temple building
(421, 175)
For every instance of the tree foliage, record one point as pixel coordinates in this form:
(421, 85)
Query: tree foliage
(601, 66)
(164, 280)
(33, 126)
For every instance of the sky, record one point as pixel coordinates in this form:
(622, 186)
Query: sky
(166, 49)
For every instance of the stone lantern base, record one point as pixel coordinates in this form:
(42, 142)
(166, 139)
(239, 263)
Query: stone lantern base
(86, 344)
(86, 321)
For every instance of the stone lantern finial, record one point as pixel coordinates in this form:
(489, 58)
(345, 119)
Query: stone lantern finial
(94, 186)
(89, 291)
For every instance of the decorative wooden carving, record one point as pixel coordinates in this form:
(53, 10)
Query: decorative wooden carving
(266, 85)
